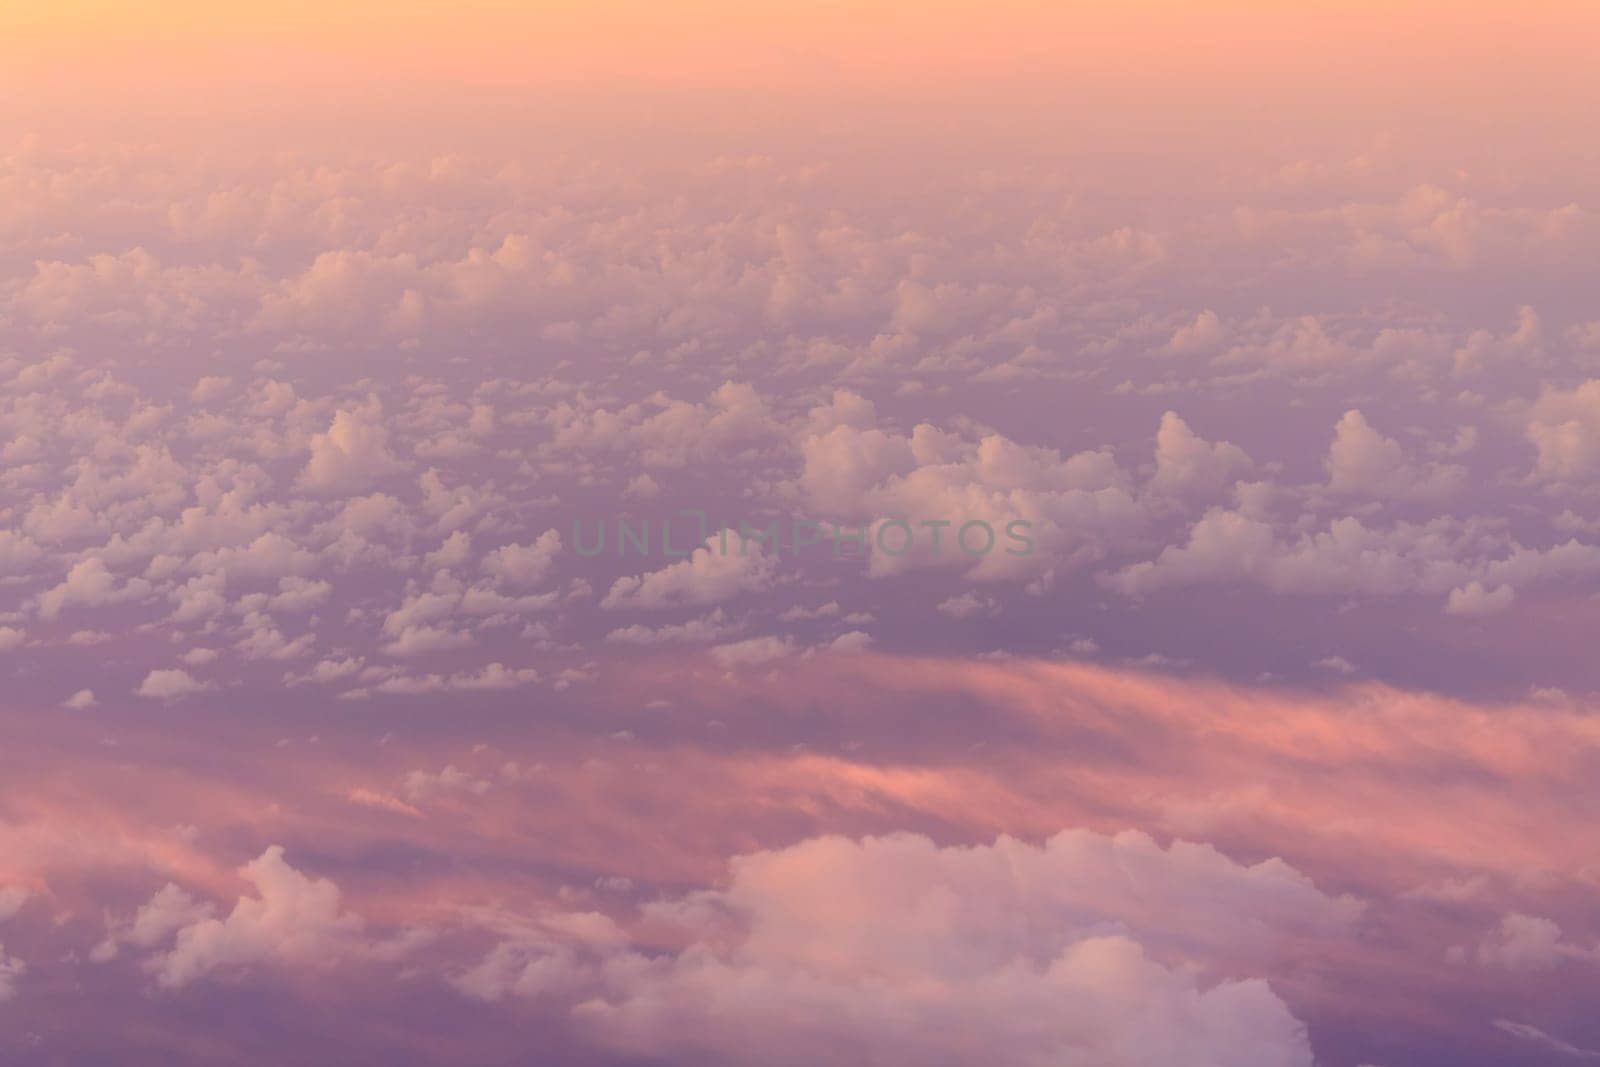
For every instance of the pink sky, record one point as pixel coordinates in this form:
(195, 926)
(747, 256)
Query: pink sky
(328, 334)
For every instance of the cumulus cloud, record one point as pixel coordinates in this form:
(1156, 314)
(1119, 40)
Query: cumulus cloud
(1202, 336)
(725, 566)
(416, 367)
(968, 605)
(90, 583)
(170, 683)
(672, 433)
(83, 698)
(1087, 949)
(711, 627)
(1531, 943)
(352, 454)
(422, 785)
(1067, 508)
(156, 921)
(292, 919)
(489, 678)
(1441, 558)
(17, 552)
(1474, 599)
(11, 971)
(12, 898)
(1361, 460)
(523, 565)
(1188, 465)
(753, 651)
(1564, 428)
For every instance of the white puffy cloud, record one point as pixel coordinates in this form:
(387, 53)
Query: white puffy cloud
(851, 641)
(967, 605)
(434, 619)
(90, 584)
(163, 915)
(422, 785)
(1201, 337)
(1474, 599)
(1564, 427)
(297, 595)
(491, 677)
(1363, 461)
(292, 919)
(1521, 348)
(200, 598)
(18, 552)
(12, 898)
(712, 627)
(454, 552)
(170, 683)
(752, 651)
(672, 433)
(523, 565)
(725, 566)
(1067, 508)
(1186, 464)
(83, 698)
(271, 555)
(1439, 558)
(1531, 943)
(1086, 950)
(352, 454)
(263, 640)
(11, 971)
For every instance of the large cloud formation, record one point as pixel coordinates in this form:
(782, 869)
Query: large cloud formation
(891, 949)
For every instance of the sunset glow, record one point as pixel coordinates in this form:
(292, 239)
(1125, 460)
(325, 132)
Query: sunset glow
(836, 533)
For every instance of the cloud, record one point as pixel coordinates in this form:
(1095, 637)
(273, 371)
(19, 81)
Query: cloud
(1475, 600)
(1564, 428)
(967, 605)
(422, 785)
(83, 698)
(726, 566)
(162, 916)
(1441, 558)
(11, 971)
(1523, 347)
(1363, 461)
(291, 919)
(711, 627)
(1531, 943)
(1072, 507)
(12, 898)
(1187, 465)
(1202, 336)
(1536, 1036)
(170, 683)
(490, 678)
(353, 453)
(523, 565)
(753, 651)
(18, 552)
(90, 584)
(851, 641)
(1088, 949)
(672, 433)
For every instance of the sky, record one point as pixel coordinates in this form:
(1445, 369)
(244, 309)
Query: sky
(689, 534)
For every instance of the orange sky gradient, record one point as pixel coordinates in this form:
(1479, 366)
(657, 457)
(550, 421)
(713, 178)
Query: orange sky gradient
(801, 46)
